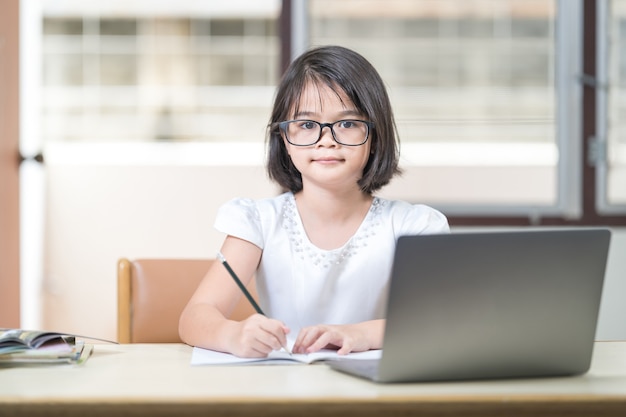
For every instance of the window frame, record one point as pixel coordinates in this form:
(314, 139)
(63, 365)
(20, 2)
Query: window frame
(598, 143)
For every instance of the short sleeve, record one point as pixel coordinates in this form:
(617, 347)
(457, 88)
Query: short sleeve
(416, 219)
(240, 218)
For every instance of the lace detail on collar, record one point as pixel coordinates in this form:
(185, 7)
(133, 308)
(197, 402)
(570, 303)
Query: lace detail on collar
(302, 247)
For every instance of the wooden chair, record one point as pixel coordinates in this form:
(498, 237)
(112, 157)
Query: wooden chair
(151, 295)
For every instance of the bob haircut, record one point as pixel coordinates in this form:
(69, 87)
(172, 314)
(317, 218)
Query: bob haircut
(342, 70)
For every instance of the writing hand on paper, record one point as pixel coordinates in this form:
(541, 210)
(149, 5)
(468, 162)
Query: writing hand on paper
(346, 338)
(258, 335)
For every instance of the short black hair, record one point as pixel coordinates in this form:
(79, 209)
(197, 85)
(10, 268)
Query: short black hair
(342, 70)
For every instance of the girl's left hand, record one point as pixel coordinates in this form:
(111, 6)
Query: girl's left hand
(346, 338)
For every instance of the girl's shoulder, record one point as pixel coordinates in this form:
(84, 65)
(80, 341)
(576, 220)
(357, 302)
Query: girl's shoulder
(412, 218)
(250, 219)
(404, 207)
(256, 207)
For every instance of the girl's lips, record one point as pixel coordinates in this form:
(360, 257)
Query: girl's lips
(327, 160)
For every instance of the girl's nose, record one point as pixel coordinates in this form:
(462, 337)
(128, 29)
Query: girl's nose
(326, 137)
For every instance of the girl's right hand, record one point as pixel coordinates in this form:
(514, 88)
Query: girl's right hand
(259, 335)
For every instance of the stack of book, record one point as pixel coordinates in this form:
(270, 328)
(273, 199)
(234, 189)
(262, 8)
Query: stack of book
(18, 346)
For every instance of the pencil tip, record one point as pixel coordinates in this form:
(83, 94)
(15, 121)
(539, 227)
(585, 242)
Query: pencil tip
(221, 257)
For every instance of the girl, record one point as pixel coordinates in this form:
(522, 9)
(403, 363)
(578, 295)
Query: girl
(322, 251)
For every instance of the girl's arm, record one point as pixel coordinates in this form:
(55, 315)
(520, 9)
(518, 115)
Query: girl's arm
(204, 321)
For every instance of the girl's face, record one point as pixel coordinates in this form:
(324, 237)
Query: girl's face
(328, 164)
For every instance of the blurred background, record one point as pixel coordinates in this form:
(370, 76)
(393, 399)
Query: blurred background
(138, 119)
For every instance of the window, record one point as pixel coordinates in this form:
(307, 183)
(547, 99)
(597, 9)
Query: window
(482, 113)
(484, 91)
(145, 75)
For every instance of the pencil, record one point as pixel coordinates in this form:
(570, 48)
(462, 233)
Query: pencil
(243, 289)
(240, 284)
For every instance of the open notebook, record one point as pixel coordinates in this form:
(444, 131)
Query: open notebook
(490, 305)
(201, 356)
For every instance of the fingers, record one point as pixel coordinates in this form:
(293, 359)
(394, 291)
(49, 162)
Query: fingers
(259, 335)
(312, 339)
(306, 340)
(345, 338)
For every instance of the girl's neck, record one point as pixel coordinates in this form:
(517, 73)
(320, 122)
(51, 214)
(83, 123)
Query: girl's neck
(330, 219)
(333, 205)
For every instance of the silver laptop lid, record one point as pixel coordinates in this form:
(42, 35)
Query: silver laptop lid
(493, 305)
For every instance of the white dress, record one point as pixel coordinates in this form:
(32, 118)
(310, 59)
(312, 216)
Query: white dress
(302, 285)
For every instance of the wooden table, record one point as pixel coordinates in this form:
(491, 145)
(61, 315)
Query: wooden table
(157, 380)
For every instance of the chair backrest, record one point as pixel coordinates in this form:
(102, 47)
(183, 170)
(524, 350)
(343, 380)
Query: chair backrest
(152, 294)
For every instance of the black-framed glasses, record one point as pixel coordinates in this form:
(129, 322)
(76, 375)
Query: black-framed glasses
(308, 132)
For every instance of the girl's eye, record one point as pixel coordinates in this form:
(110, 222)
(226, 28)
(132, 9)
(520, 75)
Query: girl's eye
(307, 125)
(346, 124)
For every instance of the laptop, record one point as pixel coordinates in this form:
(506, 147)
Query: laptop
(506, 304)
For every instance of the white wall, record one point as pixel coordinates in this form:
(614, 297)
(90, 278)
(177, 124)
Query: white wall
(97, 214)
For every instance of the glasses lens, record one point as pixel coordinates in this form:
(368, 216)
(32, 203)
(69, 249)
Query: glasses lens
(350, 132)
(302, 132)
